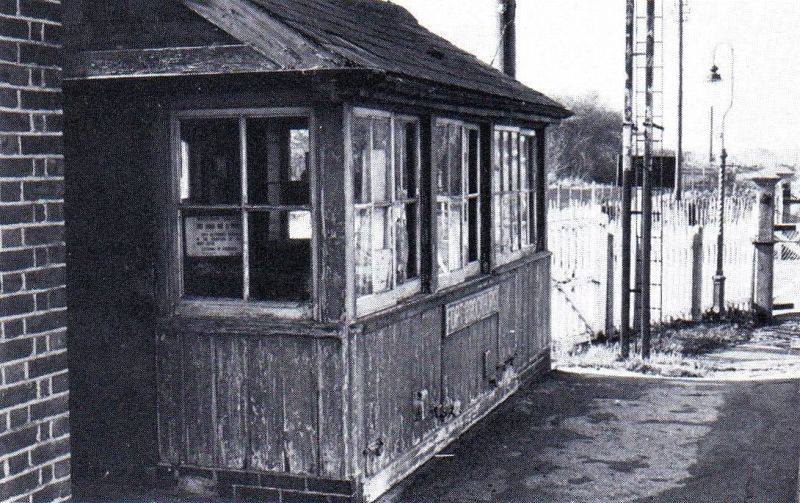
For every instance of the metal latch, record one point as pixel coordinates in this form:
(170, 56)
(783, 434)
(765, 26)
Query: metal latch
(420, 405)
(447, 409)
(375, 448)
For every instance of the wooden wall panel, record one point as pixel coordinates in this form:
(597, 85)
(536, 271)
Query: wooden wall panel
(270, 402)
(399, 362)
(463, 359)
(394, 361)
(231, 401)
(265, 408)
(170, 424)
(299, 403)
(331, 399)
(198, 405)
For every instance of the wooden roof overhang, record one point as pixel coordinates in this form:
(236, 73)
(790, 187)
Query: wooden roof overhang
(238, 65)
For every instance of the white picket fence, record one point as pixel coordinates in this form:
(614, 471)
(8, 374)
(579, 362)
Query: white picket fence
(582, 220)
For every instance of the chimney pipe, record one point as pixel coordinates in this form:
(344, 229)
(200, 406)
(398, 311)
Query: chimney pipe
(507, 33)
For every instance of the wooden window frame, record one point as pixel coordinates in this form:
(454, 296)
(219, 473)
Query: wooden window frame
(473, 268)
(534, 229)
(241, 307)
(374, 302)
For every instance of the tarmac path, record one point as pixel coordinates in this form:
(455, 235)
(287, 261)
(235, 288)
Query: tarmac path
(578, 438)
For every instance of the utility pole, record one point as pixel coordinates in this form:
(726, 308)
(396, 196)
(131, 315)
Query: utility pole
(679, 160)
(627, 182)
(507, 35)
(647, 182)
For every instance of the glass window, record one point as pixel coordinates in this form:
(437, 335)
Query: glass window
(246, 216)
(513, 191)
(385, 150)
(457, 167)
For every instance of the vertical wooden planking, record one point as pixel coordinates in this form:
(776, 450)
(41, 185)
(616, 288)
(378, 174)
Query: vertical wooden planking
(170, 395)
(231, 369)
(357, 397)
(299, 405)
(331, 400)
(429, 336)
(199, 413)
(265, 407)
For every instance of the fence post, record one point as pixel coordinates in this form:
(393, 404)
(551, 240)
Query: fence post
(765, 246)
(610, 287)
(697, 274)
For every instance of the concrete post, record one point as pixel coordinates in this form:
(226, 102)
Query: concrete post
(765, 246)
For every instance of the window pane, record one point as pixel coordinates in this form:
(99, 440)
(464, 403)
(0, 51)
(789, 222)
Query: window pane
(473, 157)
(455, 160)
(525, 233)
(361, 173)
(380, 158)
(212, 263)
(405, 242)
(456, 216)
(412, 268)
(280, 255)
(515, 240)
(443, 244)
(210, 164)
(515, 161)
(382, 257)
(277, 161)
(506, 245)
(406, 159)
(441, 166)
(497, 166)
(474, 239)
(508, 148)
(524, 168)
(497, 211)
(363, 251)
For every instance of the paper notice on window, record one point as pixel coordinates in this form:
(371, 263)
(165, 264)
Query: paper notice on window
(381, 270)
(300, 225)
(213, 236)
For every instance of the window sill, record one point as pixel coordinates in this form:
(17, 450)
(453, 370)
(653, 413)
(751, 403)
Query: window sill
(457, 277)
(370, 304)
(222, 308)
(503, 259)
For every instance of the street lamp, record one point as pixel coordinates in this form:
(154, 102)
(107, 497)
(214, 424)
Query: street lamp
(716, 79)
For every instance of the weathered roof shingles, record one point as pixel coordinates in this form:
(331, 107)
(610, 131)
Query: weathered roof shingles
(379, 35)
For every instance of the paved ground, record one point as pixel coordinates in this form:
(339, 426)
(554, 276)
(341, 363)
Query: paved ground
(594, 439)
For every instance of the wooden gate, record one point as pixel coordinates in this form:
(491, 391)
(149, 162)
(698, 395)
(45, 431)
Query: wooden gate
(787, 269)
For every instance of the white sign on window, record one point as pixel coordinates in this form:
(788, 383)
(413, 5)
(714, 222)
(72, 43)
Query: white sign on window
(213, 236)
(300, 225)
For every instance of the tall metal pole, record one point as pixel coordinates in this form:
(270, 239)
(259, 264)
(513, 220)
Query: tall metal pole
(679, 161)
(627, 181)
(711, 138)
(647, 182)
(507, 32)
(719, 276)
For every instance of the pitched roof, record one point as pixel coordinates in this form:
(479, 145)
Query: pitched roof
(367, 34)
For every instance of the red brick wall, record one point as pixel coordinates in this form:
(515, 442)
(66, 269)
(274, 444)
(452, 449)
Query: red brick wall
(34, 431)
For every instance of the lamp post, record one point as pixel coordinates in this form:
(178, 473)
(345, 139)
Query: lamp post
(719, 276)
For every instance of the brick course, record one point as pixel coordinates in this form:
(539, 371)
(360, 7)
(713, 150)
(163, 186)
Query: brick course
(34, 419)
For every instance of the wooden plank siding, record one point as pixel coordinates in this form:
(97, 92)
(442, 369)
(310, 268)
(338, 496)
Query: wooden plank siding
(251, 402)
(395, 360)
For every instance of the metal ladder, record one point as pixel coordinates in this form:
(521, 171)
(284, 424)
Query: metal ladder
(660, 194)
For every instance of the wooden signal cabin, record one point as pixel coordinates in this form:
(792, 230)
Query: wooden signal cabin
(307, 242)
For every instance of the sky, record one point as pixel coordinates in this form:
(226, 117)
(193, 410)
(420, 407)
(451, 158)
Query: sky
(574, 48)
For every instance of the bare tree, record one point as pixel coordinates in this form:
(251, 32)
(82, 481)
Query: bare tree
(586, 146)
